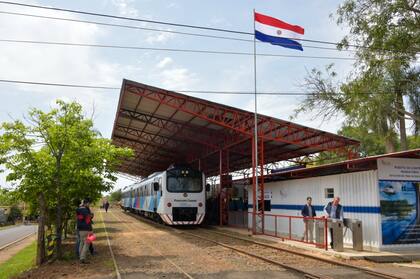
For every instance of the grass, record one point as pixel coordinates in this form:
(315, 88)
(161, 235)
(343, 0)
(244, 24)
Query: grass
(19, 263)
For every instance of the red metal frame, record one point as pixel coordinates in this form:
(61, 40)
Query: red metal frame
(166, 131)
(289, 235)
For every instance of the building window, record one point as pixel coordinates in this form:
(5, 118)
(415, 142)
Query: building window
(329, 193)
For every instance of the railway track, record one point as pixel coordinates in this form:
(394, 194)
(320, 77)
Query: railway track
(131, 227)
(308, 266)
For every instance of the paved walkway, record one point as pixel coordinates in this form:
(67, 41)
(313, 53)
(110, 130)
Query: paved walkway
(14, 233)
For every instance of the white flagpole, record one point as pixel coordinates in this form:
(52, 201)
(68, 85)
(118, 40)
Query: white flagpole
(255, 125)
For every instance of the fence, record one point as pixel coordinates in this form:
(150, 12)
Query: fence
(286, 227)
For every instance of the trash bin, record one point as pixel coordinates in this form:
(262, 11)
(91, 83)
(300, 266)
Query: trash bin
(355, 225)
(337, 234)
(319, 232)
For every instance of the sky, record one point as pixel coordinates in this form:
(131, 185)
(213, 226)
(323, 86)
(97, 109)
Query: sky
(164, 69)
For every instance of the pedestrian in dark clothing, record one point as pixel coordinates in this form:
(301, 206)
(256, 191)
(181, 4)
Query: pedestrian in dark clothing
(106, 205)
(84, 227)
(308, 212)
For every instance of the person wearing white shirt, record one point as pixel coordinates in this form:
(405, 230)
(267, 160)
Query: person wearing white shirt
(334, 210)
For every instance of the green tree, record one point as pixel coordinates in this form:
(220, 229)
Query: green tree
(14, 214)
(115, 196)
(414, 142)
(383, 90)
(57, 159)
(7, 197)
(370, 143)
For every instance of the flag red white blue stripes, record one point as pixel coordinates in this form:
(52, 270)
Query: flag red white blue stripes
(274, 31)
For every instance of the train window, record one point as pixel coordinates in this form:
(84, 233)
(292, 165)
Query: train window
(179, 180)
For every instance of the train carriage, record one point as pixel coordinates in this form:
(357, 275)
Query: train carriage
(175, 196)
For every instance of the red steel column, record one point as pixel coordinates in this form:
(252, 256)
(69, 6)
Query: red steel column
(220, 184)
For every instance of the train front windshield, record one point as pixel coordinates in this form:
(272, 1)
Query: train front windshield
(184, 181)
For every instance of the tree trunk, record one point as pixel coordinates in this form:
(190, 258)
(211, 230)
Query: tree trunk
(401, 119)
(59, 212)
(40, 251)
(389, 145)
(66, 226)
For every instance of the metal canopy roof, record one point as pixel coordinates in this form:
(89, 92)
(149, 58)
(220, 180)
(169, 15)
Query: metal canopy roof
(165, 127)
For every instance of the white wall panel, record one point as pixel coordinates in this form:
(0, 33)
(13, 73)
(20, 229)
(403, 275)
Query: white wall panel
(358, 192)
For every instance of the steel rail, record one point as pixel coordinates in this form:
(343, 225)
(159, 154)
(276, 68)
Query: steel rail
(155, 249)
(330, 261)
(287, 267)
(304, 273)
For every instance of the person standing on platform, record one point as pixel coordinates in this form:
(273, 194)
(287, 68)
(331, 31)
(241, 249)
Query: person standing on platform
(334, 210)
(308, 212)
(84, 227)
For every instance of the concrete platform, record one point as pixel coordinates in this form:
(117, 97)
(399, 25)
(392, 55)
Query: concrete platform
(404, 256)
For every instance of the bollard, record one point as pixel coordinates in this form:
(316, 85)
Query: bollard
(357, 232)
(337, 234)
(355, 225)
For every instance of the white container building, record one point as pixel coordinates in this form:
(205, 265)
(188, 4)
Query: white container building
(381, 191)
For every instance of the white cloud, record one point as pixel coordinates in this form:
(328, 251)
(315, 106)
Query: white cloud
(160, 37)
(164, 62)
(178, 78)
(47, 63)
(125, 7)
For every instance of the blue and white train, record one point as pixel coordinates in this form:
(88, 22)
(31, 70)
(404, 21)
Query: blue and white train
(175, 196)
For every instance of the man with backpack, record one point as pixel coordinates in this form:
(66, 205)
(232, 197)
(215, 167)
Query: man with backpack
(84, 227)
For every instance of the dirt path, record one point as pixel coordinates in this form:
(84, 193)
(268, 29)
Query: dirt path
(131, 248)
(145, 251)
(142, 250)
(100, 266)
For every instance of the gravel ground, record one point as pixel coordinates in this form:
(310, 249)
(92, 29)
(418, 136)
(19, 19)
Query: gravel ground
(146, 250)
(169, 254)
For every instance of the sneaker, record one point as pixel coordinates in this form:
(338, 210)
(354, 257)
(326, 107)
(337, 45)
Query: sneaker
(84, 262)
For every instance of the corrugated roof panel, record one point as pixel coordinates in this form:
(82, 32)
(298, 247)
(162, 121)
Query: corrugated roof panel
(169, 123)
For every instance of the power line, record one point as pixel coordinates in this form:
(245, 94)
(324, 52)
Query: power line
(58, 84)
(79, 86)
(176, 24)
(157, 30)
(127, 18)
(173, 49)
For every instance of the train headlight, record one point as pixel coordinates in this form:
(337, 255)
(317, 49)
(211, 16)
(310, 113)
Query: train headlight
(200, 204)
(169, 204)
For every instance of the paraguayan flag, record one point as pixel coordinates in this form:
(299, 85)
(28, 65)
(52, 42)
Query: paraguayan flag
(272, 30)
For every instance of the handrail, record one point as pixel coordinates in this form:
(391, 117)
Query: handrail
(286, 232)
